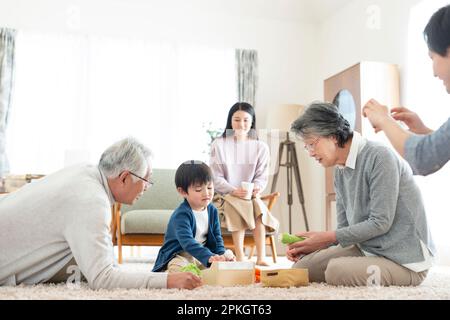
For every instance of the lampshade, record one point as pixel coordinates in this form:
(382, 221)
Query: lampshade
(282, 116)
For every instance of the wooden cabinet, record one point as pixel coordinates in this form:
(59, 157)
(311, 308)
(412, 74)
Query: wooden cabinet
(350, 90)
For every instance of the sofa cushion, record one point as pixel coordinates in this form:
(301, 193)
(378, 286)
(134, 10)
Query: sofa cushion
(154, 222)
(145, 221)
(225, 232)
(162, 195)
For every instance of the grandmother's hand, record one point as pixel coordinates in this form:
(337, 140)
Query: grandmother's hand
(314, 241)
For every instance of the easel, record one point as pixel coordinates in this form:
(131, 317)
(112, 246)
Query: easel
(291, 165)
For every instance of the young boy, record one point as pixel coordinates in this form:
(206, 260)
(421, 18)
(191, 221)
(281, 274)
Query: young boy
(193, 234)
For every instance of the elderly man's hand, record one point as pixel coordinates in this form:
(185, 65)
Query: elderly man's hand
(183, 280)
(314, 241)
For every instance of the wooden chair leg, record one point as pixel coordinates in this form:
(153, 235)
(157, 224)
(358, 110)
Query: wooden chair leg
(274, 249)
(119, 248)
(252, 250)
(119, 233)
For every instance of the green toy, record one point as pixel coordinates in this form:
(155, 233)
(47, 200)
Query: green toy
(287, 238)
(191, 267)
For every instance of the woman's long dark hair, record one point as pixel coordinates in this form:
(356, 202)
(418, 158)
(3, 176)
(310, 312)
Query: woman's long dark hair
(241, 106)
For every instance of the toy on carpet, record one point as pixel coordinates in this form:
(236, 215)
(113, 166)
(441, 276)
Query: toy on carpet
(229, 273)
(287, 238)
(257, 275)
(285, 278)
(191, 267)
(228, 254)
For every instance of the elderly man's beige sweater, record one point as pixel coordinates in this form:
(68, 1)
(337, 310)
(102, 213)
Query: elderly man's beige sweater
(63, 216)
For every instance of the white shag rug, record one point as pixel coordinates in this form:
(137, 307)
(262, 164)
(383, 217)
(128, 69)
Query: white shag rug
(436, 287)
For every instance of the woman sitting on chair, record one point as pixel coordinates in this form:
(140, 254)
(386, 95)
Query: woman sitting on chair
(236, 157)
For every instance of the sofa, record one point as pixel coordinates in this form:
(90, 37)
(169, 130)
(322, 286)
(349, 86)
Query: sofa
(145, 222)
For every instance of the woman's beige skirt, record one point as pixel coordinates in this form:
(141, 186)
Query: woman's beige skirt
(238, 214)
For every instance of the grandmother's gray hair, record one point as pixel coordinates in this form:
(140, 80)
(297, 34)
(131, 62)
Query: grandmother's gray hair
(125, 155)
(323, 119)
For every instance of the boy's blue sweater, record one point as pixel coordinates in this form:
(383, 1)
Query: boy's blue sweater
(180, 236)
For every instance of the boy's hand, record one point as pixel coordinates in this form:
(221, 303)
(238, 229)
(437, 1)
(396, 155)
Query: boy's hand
(230, 259)
(216, 258)
(229, 255)
(183, 280)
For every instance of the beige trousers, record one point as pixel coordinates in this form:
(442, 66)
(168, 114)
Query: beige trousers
(349, 267)
(182, 259)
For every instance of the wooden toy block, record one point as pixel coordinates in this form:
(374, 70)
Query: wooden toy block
(229, 274)
(284, 278)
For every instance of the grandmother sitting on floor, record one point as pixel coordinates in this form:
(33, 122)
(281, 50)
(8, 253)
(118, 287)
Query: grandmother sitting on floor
(382, 235)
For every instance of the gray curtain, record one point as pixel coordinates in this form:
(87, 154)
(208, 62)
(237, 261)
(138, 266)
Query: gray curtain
(247, 75)
(7, 39)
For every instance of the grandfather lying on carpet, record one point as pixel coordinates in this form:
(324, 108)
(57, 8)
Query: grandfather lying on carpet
(63, 220)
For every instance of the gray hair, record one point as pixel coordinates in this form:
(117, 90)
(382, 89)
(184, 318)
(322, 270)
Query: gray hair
(126, 154)
(323, 119)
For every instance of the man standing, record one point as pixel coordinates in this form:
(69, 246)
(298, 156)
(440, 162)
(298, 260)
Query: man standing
(63, 219)
(425, 150)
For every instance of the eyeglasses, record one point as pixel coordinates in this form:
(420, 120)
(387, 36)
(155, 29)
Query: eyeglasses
(149, 182)
(311, 146)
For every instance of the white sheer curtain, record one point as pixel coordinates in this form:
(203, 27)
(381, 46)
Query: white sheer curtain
(76, 95)
(427, 96)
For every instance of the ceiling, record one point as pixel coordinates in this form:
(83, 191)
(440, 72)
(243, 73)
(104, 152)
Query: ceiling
(322, 9)
(286, 10)
(293, 10)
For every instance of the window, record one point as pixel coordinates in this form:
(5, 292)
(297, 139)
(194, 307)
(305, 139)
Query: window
(76, 95)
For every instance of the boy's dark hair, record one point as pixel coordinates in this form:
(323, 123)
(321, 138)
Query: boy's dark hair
(437, 31)
(192, 172)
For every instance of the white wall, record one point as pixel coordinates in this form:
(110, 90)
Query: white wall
(352, 35)
(295, 56)
(345, 39)
(287, 48)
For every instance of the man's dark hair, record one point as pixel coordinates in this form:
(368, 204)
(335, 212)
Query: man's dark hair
(437, 31)
(192, 172)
